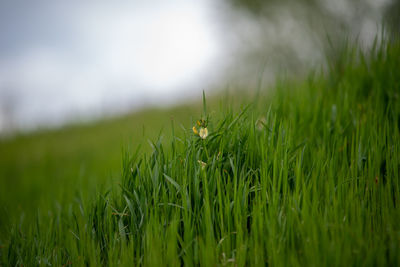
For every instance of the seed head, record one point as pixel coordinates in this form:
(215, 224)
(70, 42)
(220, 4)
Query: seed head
(202, 164)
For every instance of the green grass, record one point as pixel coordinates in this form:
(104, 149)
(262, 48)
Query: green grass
(307, 174)
(46, 167)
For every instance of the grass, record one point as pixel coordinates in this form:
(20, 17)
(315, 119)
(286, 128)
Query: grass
(36, 169)
(305, 175)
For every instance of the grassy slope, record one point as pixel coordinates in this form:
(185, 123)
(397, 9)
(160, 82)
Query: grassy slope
(43, 168)
(307, 176)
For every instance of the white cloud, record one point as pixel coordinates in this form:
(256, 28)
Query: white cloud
(112, 53)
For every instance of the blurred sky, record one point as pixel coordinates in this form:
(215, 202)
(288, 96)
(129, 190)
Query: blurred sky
(62, 60)
(59, 59)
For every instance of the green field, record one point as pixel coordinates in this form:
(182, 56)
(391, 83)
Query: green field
(306, 173)
(40, 169)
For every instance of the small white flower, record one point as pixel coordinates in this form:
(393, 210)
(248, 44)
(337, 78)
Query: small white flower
(203, 133)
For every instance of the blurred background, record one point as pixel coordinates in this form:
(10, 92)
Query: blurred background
(69, 61)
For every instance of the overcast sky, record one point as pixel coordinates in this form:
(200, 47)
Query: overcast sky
(62, 60)
(59, 59)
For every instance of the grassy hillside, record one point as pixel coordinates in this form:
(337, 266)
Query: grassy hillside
(308, 175)
(38, 170)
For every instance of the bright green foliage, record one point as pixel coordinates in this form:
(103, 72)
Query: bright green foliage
(306, 176)
(48, 169)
